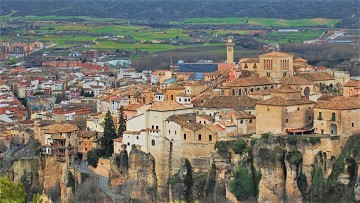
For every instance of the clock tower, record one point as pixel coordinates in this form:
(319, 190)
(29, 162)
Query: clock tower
(230, 51)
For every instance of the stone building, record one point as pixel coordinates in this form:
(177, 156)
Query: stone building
(337, 116)
(351, 88)
(86, 141)
(60, 141)
(276, 65)
(245, 86)
(284, 112)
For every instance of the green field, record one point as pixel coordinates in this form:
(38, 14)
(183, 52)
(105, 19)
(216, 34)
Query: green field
(267, 22)
(214, 21)
(99, 33)
(291, 37)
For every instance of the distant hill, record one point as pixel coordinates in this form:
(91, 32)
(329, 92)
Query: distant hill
(161, 10)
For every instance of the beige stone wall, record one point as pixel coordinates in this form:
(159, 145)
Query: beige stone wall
(273, 118)
(246, 127)
(276, 71)
(268, 119)
(346, 121)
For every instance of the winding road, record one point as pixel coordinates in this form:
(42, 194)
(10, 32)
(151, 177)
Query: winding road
(102, 183)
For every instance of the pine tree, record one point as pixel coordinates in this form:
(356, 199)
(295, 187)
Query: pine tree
(122, 122)
(109, 134)
(82, 92)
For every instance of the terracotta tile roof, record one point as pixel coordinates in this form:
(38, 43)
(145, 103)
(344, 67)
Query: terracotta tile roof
(250, 81)
(169, 105)
(280, 101)
(300, 60)
(230, 102)
(132, 107)
(353, 83)
(60, 128)
(317, 76)
(250, 60)
(203, 98)
(227, 123)
(276, 54)
(86, 134)
(326, 98)
(286, 89)
(261, 92)
(205, 116)
(340, 103)
(119, 139)
(175, 86)
(294, 80)
(236, 114)
(132, 132)
(214, 128)
(187, 121)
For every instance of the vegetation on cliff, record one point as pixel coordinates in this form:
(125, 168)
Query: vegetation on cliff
(339, 186)
(245, 184)
(11, 192)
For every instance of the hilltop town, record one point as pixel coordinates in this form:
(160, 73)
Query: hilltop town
(161, 127)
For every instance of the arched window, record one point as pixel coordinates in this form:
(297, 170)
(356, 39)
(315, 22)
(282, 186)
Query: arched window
(152, 142)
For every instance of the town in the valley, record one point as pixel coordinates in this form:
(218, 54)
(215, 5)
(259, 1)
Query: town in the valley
(81, 117)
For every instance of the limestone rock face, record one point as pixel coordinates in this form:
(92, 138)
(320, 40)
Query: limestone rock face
(141, 176)
(134, 175)
(269, 159)
(222, 167)
(27, 172)
(118, 178)
(292, 191)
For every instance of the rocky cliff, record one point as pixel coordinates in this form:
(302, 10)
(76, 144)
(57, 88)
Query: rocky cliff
(267, 169)
(134, 175)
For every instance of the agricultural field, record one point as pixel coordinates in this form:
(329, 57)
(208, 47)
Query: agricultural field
(289, 37)
(266, 22)
(111, 34)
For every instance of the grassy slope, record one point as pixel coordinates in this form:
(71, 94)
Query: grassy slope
(271, 22)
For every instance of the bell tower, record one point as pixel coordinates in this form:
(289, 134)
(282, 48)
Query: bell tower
(230, 51)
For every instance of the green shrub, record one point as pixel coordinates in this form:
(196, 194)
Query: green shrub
(93, 158)
(265, 136)
(302, 183)
(240, 147)
(314, 140)
(244, 186)
(292, 140)
(223, 147)
(294, 157)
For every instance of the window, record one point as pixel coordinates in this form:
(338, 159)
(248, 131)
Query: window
(320, 115)
(179, 99)
(199, 136)
(137, 137)
(352, 125)
(333, 117)
(286, 120)
(157, 127)
(152, 127)
(184, 136)
(152, 142)
(210, 138)
(169, 131)
(310, 118)
(241, 121)
(268, 109)
(175, 132)
(128, 143)
(298, 109)
(250, 121)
